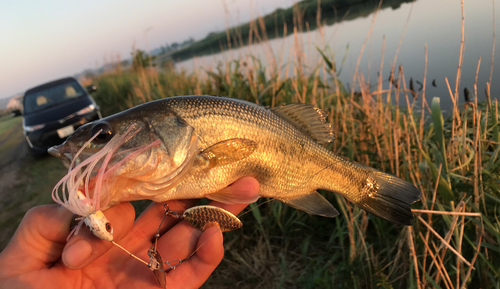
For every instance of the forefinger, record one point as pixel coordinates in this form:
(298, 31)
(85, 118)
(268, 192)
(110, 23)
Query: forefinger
(148, 222)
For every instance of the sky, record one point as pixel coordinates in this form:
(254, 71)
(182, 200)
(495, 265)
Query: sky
(45, 40)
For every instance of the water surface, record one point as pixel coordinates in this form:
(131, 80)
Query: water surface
(437, 23)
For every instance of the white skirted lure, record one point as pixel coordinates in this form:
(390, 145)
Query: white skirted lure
(76, 194)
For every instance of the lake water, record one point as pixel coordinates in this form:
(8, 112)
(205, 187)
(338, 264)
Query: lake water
(437, 23)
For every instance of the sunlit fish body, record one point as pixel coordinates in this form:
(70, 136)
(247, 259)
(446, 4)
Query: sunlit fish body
(195, 146)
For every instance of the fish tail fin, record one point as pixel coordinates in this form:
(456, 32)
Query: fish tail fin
(392, 200)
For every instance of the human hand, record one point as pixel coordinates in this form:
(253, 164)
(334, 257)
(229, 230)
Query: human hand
(38, 255)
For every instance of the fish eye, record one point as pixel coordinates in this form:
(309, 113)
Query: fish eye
(108, 227)
(105, 134)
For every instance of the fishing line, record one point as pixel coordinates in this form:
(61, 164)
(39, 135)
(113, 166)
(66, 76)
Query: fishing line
(190, 255)
(132, 255)
(258, 205)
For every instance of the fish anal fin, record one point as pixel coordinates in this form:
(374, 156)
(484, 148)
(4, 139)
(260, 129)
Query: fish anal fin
(228, 151)
(314, 204)
(307, 118)
(228, 196)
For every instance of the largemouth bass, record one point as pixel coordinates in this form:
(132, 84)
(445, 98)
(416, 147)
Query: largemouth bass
(195, 146)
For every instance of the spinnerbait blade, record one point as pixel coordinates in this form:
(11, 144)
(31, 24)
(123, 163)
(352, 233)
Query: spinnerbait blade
(204, 217)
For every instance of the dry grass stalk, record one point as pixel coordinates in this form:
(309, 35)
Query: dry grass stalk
(465, 214)
(466, 278)
(414, 256)
(447, 238)
(368, 35)
(444, 242)
(434, 258)
(494, 38)
(443, 271)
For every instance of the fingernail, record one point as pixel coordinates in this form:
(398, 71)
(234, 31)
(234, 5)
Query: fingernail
(221, 238)
(77, 254)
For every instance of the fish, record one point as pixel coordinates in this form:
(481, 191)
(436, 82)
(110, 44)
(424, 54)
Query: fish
(191, 147)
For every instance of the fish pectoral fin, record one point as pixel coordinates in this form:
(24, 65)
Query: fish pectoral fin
(228, 196)
(228, 151)
(314, 204)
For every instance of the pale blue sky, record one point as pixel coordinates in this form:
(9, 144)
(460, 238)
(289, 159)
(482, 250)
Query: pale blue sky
(45, 40)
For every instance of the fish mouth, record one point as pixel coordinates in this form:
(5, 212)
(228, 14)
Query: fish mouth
(62, 152)
(88, 170)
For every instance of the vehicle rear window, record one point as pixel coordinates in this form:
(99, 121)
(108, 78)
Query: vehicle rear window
(39, 99)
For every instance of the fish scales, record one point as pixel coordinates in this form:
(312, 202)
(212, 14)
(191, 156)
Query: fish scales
(284, 161)
(207, 143)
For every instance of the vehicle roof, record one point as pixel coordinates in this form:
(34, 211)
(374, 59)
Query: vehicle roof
(50, 84)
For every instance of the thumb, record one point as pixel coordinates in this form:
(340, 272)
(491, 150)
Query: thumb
(38, 241)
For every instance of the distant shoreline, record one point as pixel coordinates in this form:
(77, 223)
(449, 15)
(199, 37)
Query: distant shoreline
(272, 25)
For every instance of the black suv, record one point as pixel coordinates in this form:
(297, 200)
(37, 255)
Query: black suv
(52, 111)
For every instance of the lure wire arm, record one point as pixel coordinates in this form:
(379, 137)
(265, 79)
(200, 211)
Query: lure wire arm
(170, 213)
(153, 251)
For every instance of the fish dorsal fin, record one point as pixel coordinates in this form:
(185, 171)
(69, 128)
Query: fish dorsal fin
(228, 151)
(307, 118)
(314, 204)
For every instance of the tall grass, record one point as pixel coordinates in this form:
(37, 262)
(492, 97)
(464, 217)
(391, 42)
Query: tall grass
(453, 160)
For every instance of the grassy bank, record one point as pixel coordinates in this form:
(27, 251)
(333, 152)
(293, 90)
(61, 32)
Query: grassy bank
(454, 161)
(10, 134)
(26, 180)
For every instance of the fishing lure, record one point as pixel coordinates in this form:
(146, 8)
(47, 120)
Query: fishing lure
(200, 217)
(204, 217)
(156, 265)
(81, 187)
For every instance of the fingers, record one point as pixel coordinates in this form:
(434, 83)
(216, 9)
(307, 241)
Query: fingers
(147, 224)
(38, 241)
(84, 248)
(246, 188)
(200, 266)
(183, 239)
